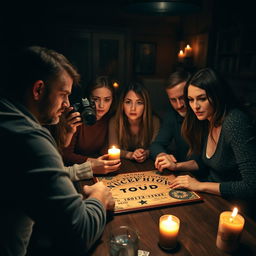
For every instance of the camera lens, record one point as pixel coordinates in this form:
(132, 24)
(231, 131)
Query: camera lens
(88, 116)
(87, 111)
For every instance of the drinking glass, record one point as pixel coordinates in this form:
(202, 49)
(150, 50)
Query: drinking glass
(123, 241)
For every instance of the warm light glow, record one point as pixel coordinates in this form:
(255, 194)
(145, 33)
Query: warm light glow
(188, 47)
(231, 225)
(181, 56)
(181, 53)
(234, 213)
(169, 224)
(168, 231)
(188, 51)
(169, 219)
(114, 153)
(115, 84)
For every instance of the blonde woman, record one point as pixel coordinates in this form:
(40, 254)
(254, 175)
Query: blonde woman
(134, 127)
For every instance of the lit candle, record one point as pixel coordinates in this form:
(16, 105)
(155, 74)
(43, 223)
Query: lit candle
(188, 51)
(168, 231)
(114, 153)
(181, 55)
(230, 228)
(115, 84)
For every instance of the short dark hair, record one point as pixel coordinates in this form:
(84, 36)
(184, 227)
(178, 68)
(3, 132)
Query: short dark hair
(177, 78)
(38, 63)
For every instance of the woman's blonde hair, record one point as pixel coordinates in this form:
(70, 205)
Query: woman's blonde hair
(122, 124)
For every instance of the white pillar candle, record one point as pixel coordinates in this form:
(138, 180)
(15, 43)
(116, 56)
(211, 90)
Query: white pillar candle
(114, 153)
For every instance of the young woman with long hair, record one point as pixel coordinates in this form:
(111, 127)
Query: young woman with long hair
(223, 133)
(134, 126)
(86, 142)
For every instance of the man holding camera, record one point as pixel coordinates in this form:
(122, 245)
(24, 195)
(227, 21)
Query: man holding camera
(40, 191)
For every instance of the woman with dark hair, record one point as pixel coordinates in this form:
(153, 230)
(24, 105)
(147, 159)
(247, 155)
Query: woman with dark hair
(134, 126)
(223, 134)
(86, 142)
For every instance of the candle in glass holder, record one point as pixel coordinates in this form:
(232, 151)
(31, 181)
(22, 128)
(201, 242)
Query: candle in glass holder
(230, 229)
(113, 153)
(168, 231)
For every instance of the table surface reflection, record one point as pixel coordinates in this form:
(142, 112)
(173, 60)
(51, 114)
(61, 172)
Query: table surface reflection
(198, 228)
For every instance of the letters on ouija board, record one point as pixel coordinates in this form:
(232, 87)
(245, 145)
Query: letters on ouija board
(142, 190)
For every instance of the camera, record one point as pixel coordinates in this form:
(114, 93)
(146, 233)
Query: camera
(87, 110)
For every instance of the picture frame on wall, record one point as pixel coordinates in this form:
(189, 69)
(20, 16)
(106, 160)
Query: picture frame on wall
(144, 58)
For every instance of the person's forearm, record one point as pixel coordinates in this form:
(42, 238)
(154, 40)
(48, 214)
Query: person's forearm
(190, 165)
(126, 154)
(80, 171)
(68, 138)
(209, 187)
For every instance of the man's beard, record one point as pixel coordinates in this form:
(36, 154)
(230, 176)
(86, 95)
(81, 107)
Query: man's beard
(45, 106)
(46, 118)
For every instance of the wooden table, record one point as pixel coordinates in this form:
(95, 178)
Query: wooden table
(198, 230)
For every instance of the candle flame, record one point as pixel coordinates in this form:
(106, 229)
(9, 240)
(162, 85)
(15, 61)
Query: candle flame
(181, 52)
(234, 213)
(113, 146)
(169, 219)
(115, 84)
(188, 46)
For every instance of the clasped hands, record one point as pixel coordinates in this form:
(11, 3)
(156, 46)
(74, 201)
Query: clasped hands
(140, 155)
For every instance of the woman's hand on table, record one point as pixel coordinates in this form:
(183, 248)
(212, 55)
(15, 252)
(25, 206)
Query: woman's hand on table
(185, 181)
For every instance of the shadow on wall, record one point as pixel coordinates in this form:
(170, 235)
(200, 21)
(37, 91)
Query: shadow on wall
(245, 91)
(158, 97)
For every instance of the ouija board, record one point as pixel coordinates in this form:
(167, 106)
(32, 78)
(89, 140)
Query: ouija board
(141, 190)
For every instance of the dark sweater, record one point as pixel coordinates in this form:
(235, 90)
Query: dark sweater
(35, 188)
(170, 132)
(234, 161)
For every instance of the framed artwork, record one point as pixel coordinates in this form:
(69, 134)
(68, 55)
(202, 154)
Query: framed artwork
(144, 58)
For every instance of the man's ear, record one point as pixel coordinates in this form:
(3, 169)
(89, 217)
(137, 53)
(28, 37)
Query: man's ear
(38, 89)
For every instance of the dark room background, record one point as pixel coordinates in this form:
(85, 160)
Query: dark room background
(103, 37)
